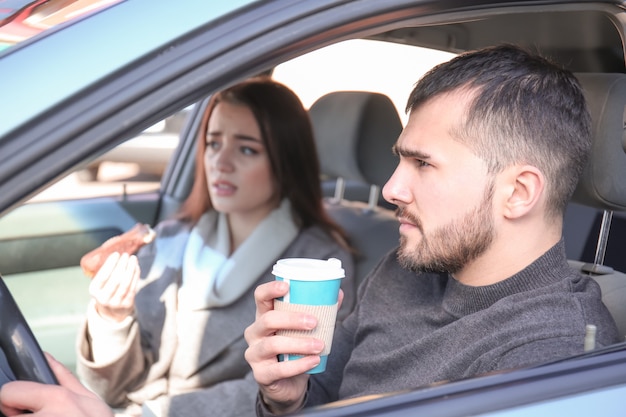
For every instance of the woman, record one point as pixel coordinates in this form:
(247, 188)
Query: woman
(165, 328)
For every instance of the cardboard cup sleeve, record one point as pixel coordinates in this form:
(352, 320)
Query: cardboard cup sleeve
(326, 316)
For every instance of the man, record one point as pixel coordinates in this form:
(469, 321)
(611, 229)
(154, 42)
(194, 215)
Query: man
(492, 151)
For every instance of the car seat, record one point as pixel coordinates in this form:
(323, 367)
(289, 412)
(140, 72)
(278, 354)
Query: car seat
(354, 132)
(373, 231)
(603, 183)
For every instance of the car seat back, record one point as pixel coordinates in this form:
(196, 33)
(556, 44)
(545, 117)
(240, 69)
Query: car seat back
(354, 132)
(603, 182)
(373, 231)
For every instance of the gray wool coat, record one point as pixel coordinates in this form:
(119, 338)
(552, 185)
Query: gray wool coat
(205, 375)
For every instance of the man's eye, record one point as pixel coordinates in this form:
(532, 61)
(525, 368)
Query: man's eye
(422, 163)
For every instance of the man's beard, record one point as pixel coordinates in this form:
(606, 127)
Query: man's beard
(451, 247)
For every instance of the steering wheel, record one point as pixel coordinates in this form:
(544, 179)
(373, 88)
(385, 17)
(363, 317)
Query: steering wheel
(21, 357)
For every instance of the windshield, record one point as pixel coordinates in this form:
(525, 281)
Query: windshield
(23, 19)
(92, 56)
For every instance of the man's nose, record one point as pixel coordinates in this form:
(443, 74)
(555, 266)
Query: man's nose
(395, 190)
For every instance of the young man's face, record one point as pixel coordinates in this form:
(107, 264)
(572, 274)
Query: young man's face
(442, 190)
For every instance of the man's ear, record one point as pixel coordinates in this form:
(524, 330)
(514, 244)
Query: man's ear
(526, 187)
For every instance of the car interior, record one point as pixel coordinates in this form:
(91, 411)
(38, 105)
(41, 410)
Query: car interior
(354, 131)
(600, 187)
(596, 55)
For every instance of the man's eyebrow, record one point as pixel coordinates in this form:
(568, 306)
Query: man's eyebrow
(408, 153)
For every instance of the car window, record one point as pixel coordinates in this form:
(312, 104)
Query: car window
(46, 250)
(359, 64)
(23, 19)
(135, 166)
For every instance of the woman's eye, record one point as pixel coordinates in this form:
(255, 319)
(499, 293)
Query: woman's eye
(212, 144)
(248, 151)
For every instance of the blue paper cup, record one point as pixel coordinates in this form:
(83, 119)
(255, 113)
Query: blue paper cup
(313, 288)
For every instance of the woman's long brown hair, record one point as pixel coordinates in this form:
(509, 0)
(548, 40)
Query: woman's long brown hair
(287, 134)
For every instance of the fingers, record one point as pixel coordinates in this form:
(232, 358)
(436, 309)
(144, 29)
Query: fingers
(49, 401)
(268, 320)
(22, 395)
(115, 283)
(16, 396)
(265, 294)
(264, 345)
(127, 283)
(101, 279)
(282, 384)
(65, 377)
(69, 399)
(263, 357)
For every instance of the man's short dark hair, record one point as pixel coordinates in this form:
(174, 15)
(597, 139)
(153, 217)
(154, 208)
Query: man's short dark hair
(525, 109)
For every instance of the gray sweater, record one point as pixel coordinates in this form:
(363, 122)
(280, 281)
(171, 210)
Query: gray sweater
(410, 330)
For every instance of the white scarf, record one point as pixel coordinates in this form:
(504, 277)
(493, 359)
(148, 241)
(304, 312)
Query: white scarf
(213, 279)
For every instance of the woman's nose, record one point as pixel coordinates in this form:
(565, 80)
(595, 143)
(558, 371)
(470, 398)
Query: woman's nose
(222, 160)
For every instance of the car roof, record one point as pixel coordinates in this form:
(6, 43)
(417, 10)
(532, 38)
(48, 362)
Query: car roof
(585, 39)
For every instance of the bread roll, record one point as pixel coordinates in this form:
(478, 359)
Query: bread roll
(128, 242)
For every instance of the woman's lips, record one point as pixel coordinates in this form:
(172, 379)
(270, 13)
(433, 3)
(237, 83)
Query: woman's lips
(223, 188)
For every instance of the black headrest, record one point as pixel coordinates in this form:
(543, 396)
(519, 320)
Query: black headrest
(355, 131)
(603, 183)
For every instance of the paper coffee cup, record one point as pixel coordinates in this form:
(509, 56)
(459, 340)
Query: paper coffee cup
(314, 289)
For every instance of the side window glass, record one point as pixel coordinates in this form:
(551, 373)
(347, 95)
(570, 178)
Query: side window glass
(135, 166)
(359, 64)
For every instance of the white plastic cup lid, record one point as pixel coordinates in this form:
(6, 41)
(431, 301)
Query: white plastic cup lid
(307, 269)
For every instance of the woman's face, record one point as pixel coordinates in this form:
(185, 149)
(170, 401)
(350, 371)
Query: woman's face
(237, 165)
